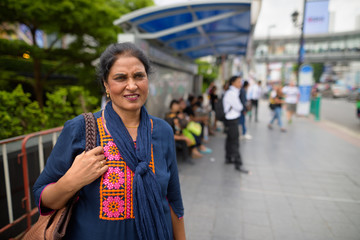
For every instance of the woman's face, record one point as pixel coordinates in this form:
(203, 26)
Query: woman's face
(237, 83)
(175, 108)
(127, 84)
(182, 105)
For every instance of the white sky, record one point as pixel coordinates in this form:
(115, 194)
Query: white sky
(278, 13)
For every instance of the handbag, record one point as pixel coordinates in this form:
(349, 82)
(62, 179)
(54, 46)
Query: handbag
(194, 127)
(53, 226)
(272, 106)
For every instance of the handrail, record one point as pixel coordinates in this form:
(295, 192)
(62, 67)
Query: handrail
(23, 156)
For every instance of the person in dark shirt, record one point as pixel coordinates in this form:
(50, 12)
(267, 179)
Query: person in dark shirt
(244, 102)
(277, 99)
(189, 115)
(178, 123)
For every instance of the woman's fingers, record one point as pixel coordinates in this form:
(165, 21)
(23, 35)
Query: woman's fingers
(102, 163)
(96, 151)
(95, 155)
(99, 157)
(103, 169)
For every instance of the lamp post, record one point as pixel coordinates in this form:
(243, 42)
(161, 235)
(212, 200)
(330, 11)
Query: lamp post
(297, 23)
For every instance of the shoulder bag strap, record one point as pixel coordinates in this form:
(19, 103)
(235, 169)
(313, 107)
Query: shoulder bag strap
(90, 134)
(90, 128)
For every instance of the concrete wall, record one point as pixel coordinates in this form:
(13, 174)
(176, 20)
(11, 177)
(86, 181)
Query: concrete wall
(167, 84)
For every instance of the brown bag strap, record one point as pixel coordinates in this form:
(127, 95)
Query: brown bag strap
(90, 129)
(90, 135)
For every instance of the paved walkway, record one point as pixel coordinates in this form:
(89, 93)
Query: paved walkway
(305, 185)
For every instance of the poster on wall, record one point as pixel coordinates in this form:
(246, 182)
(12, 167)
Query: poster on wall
(305, 84)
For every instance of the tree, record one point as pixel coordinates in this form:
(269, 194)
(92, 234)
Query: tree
(89, 24)
(318, 70)
(209, 72)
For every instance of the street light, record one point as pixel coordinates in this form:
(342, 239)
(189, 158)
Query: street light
(297, 23)
(294, 17)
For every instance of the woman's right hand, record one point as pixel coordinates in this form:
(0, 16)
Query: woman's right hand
(87, 167)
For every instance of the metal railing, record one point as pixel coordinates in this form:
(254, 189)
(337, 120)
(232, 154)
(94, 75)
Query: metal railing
(22, 159)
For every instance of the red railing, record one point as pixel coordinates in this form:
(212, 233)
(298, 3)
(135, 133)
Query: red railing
(23, 156)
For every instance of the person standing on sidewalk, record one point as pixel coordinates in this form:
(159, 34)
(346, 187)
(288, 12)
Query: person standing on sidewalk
(276, 98)
(244, 102)
(292, 95)
(232, 109)
(254, 95)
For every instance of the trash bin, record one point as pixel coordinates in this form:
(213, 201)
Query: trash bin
(315, 107)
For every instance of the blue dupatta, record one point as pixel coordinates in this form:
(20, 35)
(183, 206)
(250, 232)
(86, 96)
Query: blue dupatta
(150, 218)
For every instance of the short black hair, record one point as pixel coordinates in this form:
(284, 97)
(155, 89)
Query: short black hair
(174, 101)
(245, 84)
(232, 80)
(190, 98)
(113, 52)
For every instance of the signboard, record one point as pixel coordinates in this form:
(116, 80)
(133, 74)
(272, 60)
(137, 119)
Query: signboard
(316, 17)
(305, 84)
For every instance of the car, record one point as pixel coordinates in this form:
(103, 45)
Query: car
(339, 89)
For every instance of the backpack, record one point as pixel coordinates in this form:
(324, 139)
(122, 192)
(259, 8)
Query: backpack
(219, 110)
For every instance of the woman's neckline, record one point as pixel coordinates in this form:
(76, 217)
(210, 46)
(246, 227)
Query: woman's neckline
(105, 127)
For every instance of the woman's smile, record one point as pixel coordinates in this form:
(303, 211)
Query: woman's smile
(132, 97)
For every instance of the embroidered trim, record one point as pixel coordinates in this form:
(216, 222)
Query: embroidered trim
(116, 185)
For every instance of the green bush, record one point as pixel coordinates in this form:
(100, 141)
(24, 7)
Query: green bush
(19, 115)
(66, 103)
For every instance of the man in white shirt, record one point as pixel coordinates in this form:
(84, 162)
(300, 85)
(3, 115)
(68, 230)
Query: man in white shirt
(254, 95)
(232, 109)
(292, 95)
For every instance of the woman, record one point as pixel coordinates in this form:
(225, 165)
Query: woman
(128, 185)
(213, 100)
(292, 95)
(187, 114)
(178, 124)
(276, 98)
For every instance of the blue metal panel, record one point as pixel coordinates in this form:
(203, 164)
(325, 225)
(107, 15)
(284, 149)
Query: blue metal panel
(200, 53)
(190, 43)
(157, 13)
(166, 22)
(225, 36)
(180, 34)
(239, 23)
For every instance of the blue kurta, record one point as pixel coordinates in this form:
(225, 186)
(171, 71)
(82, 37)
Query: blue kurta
(105, 207)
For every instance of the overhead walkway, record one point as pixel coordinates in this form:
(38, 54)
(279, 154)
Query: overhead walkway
(329, 47)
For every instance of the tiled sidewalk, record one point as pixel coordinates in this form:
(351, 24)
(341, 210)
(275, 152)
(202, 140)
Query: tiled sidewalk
(305, 185)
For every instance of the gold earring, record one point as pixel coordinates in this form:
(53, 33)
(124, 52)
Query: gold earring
(107, 94)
